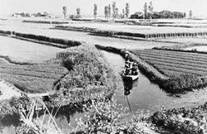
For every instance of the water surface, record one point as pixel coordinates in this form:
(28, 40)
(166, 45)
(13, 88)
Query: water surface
(26, 51)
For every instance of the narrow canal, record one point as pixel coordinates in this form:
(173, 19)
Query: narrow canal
(144, 95)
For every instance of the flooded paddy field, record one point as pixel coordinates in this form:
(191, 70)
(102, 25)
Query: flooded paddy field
(152, 31)
(24, 51)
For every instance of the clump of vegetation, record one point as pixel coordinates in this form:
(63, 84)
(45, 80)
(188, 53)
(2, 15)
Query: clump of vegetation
(158, 15)
(67, 43)
(184, 83)
(29, 118)
(89, 74)
(57, 42)
(45, 22)
(108, 117)
(5, 32)
(182, 120)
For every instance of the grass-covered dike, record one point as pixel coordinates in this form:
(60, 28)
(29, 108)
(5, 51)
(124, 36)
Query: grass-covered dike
(56, 42)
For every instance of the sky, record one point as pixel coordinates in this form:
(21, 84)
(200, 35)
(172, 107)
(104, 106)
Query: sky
(55, 6)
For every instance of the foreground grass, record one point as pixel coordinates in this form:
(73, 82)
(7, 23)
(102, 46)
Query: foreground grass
(182, 120)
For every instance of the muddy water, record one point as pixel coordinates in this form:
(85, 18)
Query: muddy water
(144, 95)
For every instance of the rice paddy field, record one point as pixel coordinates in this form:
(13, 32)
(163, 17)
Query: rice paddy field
(174, 27)
(31, 78)
(175, 63)
(194, 40)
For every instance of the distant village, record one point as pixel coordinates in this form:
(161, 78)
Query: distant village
(111, 11)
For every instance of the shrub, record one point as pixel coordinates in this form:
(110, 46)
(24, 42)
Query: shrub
(183, 83)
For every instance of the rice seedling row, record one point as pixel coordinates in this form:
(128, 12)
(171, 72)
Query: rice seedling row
(174, 63)
(180, 62)
(186, 62)
(184, 68)
(175, 55)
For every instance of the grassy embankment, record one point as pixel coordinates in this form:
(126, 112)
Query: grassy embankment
(89, 73)
(57, 42)
(172, 74)
(45, 21)
(73, 28)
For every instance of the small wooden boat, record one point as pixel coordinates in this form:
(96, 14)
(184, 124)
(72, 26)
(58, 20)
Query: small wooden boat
(130, 77)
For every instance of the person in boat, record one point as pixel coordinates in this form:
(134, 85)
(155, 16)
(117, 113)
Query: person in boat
(134, 68)
(128, 65)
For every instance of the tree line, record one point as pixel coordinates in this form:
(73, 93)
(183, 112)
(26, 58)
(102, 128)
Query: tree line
(112, 11)
(149, 13)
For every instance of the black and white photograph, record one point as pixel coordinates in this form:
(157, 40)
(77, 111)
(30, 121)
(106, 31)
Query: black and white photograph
(103, 66)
